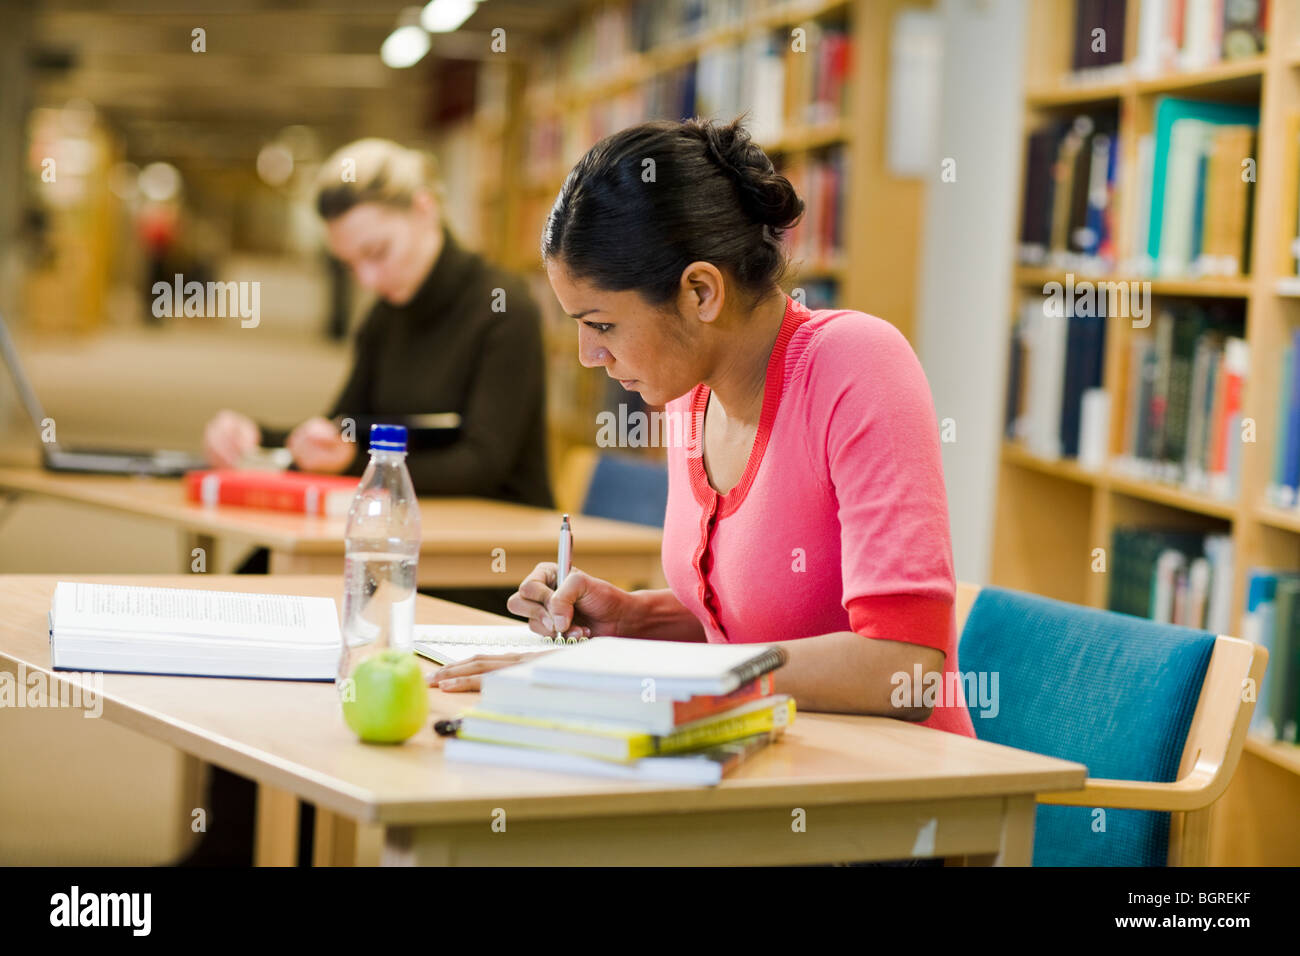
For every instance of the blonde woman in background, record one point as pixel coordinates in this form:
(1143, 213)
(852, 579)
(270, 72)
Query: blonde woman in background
(448, 333)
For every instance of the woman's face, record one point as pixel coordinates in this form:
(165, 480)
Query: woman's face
(633, 341)
(386, 248)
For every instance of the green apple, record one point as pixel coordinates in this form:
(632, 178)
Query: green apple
(389, 700)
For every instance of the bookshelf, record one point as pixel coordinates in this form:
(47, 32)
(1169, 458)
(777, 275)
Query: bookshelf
(626, 63)
(1052, 513)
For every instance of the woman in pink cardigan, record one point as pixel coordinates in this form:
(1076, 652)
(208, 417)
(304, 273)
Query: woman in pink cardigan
(806, 502)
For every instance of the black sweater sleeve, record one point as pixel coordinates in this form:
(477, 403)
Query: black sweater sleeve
(510, 379)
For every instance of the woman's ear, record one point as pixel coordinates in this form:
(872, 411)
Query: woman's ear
(702, 292)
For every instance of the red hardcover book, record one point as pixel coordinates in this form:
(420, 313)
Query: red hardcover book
(327, 495)
(706, 705)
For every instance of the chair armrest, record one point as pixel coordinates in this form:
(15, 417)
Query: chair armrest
(1213, 746)
(1193, 792)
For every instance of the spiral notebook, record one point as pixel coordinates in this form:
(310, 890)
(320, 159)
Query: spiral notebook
(450, 643)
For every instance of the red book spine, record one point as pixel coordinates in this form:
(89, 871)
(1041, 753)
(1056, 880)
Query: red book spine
(706, 705)
(1175, 23)
(1231, 406)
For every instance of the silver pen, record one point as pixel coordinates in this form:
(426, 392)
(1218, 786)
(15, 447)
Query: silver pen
(563, 560)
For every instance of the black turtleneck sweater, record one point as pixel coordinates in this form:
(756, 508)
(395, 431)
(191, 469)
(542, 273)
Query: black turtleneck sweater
(446, 350)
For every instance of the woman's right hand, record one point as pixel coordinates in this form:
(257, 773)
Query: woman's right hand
(583, 607)
(229, 437)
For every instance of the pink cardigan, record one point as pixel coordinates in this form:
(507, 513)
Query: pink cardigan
(840, 519)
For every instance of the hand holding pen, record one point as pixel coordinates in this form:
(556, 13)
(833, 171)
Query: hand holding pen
(565, 604)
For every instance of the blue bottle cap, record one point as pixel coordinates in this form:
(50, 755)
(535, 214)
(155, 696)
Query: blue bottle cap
(388, 438)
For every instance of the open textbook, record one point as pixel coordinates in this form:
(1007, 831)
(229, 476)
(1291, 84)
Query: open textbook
(184, 631)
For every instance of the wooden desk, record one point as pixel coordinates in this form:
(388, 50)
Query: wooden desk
(461, 535)
(865, 787)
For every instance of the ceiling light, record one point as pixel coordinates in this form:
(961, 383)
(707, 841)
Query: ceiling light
(404, 47)
(444, 16)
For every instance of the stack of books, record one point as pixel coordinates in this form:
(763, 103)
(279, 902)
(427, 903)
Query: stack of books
(627, 708)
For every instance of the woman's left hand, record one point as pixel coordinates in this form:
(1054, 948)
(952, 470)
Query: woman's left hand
(466, 675)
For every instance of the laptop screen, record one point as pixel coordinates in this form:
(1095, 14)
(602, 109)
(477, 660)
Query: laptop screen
(25, 392)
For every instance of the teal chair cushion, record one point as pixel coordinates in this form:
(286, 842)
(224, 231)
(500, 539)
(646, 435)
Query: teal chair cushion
(1111, 691)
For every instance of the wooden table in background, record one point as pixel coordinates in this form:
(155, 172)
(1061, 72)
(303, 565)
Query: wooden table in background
(866, 788)
(460, 535)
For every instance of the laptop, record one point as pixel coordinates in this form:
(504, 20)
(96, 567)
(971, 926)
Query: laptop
(105, 461)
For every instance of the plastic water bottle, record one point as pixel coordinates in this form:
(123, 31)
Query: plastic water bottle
(382, 548)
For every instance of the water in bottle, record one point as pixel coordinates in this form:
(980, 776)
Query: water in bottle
(383, 545)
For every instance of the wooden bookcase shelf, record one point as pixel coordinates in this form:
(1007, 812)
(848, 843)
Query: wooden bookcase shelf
(1236, 287)
(562, 91)
(1279, 518)
(1050, 515)
(1240, 76)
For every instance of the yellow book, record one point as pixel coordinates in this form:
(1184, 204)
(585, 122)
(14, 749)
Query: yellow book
(612, 741)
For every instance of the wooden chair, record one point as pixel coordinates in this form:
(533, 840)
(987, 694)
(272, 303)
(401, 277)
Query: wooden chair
(1210, 750)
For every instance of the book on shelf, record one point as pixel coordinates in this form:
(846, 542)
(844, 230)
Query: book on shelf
(192, 632)
(1172, 576)
(1285, 478)
(1176, 35)
(623, 701)
(1182, 408)
(818, 238)
(1291, 202)
(1098, 36)
(1272, 620)
(1198, 214)
(1056, 406)
(1068, 207)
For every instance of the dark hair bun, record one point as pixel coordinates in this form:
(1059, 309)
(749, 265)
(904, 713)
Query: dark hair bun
(767, 196)
(714, 196)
